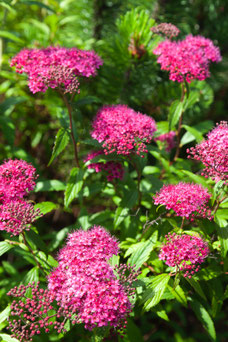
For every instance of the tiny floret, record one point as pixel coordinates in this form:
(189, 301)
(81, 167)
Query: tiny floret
(122, 130)
(168, 139)
(167, 29)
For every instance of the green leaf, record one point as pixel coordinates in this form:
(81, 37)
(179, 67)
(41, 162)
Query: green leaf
(59, 237)
(195, 284)
(204, 317)
(11, 36)
(5, 314)
(153, 294)
(196, 134)
(35, 240)
(162, 314)
(142, 253)
(32, 275)
(50, 185)
(37, 3)
(61, 141)
(120, 215)
(223, 237)
(74, 185)
(4, 247)
(87, 100)
(196, 178)
(46, 207)
(8, 129)
(191, 100)
(179, 294)
(175, 112)
(8, 338)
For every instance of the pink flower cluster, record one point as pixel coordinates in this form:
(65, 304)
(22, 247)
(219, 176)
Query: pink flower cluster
(187, 59)
(17, 178)
(168, 139)
(167, 29)
(185, 199)
(213, 153)
(32, 314)
(122, 130)
(113, 169)
(185, 252)
(56, 67)
(85, 283)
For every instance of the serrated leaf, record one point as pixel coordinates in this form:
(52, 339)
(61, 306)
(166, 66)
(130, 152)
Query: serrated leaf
(175, 112)
(142, 253)
(61, 141)
(46, 207)
(204, 317)
(4, 247)
(74, 185)
(50, 185)
(155, 290)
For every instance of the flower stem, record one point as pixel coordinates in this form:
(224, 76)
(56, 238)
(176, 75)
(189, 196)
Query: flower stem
(184, 90)
(69, 109)
(31, 251)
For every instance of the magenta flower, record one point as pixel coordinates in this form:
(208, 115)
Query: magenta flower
(113, 169)
(17, 178)
(168, 139)
(185, 199)
(85, 282)
(17, 216)
(122, 130)
(187, 59)
(213, 153)
(56, 67)
(167, 29)
(184, 252)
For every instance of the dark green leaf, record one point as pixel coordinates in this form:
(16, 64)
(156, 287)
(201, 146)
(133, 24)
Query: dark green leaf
(4, 247)
(74, 185)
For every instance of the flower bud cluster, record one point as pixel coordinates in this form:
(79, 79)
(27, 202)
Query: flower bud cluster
(17, 179)
(212, 152)
(185, 199)
(34, 311)
(113, 169)
(122, 130)
(167, 29)
(185, 252)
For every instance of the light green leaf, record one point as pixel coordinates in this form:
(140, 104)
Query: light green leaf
(204, 317)
(61, 141)
(74, 185)
(196, 134)
(142, 253)
(192, 99)
(46, 207)
(153, 294)
(195, 284)
(179, 294)
(5, 314)
(120, 215)
(50, 185)
(4, 247)
(32, 275)
(8, 338)
(11, 36)
(175, 112)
